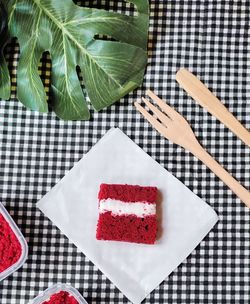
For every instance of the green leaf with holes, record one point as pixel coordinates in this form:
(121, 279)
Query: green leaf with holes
(4, 75)
(110, 68)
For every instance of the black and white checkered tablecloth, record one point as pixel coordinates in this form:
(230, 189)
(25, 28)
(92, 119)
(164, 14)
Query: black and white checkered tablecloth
(212, 39)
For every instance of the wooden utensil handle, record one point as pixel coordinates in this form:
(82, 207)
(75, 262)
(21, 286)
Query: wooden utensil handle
(226, 117)
(198, 90)
(218, 170)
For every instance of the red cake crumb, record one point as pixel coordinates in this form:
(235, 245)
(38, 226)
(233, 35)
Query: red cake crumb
(115, 225)
(10, 247)
(62, 297)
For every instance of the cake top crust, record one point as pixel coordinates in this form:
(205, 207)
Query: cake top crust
(128, 193)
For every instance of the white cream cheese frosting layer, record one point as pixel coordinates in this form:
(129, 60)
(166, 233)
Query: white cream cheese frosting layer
(117, 207)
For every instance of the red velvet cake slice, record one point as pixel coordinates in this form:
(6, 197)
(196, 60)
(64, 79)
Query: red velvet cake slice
(127, 213)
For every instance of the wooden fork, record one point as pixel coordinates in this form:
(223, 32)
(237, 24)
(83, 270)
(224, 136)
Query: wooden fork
(174, 127)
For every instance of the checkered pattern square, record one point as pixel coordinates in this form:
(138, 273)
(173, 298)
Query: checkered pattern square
(211, 38)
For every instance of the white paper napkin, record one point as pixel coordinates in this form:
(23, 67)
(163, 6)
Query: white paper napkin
(135, 269)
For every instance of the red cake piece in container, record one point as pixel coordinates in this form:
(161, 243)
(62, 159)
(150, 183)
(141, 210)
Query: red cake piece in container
(59, 294)
(62, 297)
(13, 246)
(127, 213)
(10, 247)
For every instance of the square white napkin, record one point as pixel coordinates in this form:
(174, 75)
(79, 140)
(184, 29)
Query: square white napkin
(136, 269)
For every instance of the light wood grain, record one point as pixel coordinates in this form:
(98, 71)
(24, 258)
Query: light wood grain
(174, 127)
(200, 93)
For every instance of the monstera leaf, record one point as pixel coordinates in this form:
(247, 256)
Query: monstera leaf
(110, 68)
(4, 75)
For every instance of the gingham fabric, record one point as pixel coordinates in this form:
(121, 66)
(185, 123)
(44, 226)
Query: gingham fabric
(210, 38)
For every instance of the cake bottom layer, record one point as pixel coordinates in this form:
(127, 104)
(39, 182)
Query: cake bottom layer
(126, 228)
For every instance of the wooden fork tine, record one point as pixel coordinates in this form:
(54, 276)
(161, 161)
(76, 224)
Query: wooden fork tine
(163, 105)
(153, 121)
(162, 117)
